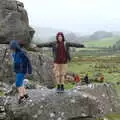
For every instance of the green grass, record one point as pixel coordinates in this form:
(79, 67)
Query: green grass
(113, 117)
(106, 42)
(109, 67)
(112, 77)
(77, 67)
(117, 87)
(69, 86)
(1, 93)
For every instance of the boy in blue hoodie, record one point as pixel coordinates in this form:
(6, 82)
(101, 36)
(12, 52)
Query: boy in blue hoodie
(22, 67)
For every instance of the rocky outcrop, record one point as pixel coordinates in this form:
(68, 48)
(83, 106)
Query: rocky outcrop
(42, 68)
(81, 103)
(14, 23)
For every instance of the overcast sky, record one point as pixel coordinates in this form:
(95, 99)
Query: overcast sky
(75, 15)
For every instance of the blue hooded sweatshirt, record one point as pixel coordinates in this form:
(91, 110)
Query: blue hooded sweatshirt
(21, 61)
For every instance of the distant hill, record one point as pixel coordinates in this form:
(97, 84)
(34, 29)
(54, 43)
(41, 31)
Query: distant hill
(71, 37)
(49, 34)
(116, 32)
(100, 35)
(45, 34)
(97, 39)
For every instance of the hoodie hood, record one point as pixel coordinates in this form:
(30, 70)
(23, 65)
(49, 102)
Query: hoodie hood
(14, 45)
(60, 33)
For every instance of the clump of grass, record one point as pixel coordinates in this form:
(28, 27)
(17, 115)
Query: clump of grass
(113, 117)
(117, 87)
(2, 93)
(69, 85)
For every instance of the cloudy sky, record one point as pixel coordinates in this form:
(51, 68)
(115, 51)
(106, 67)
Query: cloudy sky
(83, 16)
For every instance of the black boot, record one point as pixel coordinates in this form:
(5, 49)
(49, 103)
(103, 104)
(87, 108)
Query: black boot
(58, 88)
(26, 96)
(21, 99)
(62, 88)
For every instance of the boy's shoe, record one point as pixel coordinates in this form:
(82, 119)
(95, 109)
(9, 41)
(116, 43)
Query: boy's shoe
(26, 96)
(62, 88)
(58, 88)
(21, 99)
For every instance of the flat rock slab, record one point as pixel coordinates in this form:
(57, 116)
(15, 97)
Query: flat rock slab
(79, 103)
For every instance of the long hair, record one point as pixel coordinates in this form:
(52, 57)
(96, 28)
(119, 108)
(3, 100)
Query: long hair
(60, 33)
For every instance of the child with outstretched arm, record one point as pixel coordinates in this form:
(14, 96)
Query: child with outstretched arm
(61, 56)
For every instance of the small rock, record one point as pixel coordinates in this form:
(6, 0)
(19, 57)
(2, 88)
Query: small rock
(62, 114)
(72, 101)
(52, 115)
(35, 116)
(103, 95)
(84, 115)
(59, 118)
(74, 91)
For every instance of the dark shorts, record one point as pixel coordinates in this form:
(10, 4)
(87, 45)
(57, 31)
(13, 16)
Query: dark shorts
(20, 79)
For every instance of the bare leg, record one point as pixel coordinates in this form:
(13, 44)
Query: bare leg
(24, 91)
(57, 73)
(20, 91)
(21, 94)
(57, 76)
(63, 73)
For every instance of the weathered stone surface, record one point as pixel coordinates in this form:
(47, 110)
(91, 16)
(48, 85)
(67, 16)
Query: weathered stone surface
(42, 68)
(84, 103)
(14, 23)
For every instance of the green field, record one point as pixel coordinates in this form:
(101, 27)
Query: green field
(111, 117)
(95, 64)
(107, 64)
(106, 42)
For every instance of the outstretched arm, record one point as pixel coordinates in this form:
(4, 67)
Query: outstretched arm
(49, 44)
(70, 44)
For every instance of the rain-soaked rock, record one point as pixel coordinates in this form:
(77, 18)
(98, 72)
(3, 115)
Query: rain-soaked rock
(84, 103)
(42, 68)
(14, 22)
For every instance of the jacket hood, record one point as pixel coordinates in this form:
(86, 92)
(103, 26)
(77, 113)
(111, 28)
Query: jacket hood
(14, 45)
(60, 33)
